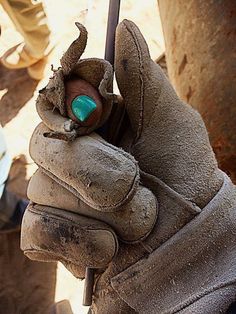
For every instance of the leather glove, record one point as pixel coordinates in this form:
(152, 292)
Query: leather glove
(182, 263)
(95, 183)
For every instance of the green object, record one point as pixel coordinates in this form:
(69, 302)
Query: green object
(82, 107)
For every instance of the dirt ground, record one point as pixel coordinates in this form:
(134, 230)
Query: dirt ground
(30, 287)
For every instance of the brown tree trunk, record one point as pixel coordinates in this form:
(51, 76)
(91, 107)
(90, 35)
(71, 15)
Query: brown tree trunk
(200, 39)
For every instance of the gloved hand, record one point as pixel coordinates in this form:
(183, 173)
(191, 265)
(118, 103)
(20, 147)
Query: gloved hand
(182, 263)
(85, 175)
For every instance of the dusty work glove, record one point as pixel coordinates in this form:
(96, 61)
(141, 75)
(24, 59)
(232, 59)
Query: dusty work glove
(82, 174)
(187, 263)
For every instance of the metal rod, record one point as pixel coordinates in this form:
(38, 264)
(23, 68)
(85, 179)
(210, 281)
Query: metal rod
(113, 19)
(88, 286)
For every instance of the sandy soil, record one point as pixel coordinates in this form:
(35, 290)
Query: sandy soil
(29, 287)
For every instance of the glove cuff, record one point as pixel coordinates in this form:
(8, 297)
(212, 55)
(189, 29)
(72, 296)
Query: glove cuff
(192, 265)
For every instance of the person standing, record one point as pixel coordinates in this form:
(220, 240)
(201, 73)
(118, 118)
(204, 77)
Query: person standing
(30, 20)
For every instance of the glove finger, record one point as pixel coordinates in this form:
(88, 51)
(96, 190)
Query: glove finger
(74, 52)
(133, 222)
(163, 125)
(140, 80)
(102, 175)
(51, 234)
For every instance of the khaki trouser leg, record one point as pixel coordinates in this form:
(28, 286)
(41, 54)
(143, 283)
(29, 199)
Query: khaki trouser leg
(30, 20)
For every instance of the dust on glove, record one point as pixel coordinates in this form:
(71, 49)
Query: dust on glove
(95, 196)
(86, 192)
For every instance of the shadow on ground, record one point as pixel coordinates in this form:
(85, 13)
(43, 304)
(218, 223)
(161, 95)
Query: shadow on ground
(26, 287)
(17, 88)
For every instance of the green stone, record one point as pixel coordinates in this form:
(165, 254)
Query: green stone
(82, 107)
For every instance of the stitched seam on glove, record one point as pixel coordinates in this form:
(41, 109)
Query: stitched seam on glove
(140, 126)
(201, 295)
(192, 208)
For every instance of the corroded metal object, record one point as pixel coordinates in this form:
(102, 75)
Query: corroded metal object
(200, 41)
